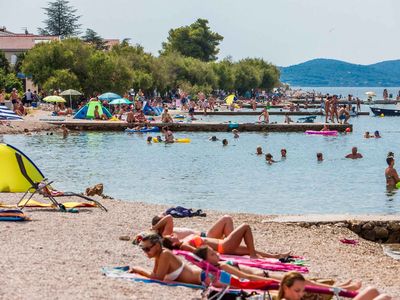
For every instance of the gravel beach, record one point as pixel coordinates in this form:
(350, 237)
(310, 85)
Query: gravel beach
(59, 255)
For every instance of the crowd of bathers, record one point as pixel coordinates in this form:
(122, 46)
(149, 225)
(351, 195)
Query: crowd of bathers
(170, 247)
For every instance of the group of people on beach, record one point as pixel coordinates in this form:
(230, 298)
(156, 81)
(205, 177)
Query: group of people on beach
(166, 242)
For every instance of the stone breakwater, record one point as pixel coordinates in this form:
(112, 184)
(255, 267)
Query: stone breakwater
(376, 231)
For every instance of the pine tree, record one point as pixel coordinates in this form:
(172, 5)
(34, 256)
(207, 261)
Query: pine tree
(61, 20)
(93, 38)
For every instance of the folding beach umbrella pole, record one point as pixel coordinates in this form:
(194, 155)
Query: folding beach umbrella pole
(70, 93)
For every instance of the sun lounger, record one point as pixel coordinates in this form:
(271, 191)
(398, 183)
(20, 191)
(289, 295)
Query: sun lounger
(44, 188)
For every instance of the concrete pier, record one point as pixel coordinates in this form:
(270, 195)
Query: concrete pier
(271, 113)
(86, 125)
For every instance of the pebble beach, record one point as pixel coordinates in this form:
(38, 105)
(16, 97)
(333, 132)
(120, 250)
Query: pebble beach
(60, 255)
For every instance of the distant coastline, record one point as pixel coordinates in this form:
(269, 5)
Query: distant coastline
(335, 73)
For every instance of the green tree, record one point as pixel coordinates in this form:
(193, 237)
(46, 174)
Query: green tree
(225, 73)
(61, 19)
(93, 38)
(9, 81)
(62, 79)
(195, 40)
(4, 64)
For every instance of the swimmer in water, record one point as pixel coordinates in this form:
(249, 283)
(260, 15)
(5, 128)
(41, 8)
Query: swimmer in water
(213, 138)
(283, 153)
(235, 133)
(354, 154)
(259, 150)
(367, 135)
(268, 158)
(149, 139)
(377, 135)
(320, 157)
(224, 142)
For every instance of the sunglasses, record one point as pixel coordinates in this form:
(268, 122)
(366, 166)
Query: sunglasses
(147, 249)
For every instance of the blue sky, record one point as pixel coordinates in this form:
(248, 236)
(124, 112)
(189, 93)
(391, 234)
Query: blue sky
(284, 32)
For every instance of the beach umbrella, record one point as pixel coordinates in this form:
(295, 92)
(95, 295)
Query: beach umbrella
(70, 93)
(55, 99)
(230, 99)
(120, 101)
(109, 96)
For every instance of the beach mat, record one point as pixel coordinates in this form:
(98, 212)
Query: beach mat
(36, 204)
(12, 215)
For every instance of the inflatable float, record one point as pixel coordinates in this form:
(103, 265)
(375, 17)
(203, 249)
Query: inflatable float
(326, 132)
(142, 130)
(184, 141)
(11, 179)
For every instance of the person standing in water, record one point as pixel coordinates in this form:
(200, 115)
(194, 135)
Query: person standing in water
(354, 154)
(392, 178)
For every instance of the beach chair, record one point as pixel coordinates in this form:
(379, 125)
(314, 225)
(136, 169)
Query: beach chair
(44, 188)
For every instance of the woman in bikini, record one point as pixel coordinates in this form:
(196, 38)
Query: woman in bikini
(167, 266)
(228, 245)
(293, 284)
(252, 274)
(164, 226)
(392, 178)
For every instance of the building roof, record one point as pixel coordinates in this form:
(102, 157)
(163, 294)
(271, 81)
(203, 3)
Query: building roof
(23, 42)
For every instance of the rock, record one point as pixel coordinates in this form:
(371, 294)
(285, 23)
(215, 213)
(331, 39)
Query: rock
(341, 224)
(381, 233)
(369, 235)
(96, 190)
(355, 227)
(394, 226)
(394, 237)
(368, 226)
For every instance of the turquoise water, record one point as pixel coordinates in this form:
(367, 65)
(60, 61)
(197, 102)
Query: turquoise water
(204, 174)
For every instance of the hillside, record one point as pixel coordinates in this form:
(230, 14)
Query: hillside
(330, 72)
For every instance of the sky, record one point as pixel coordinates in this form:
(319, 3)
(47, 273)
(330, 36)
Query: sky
(283, 32)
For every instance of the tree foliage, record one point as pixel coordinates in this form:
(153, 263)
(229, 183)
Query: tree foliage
(61, 19)
(4, 64)
(93, 38)
(72, 63)
(8, 81)
(195, 40)
(62, 79)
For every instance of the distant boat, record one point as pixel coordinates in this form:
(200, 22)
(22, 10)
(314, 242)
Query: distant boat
(385, 111)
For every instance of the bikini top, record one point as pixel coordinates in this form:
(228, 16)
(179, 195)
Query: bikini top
(175, 274)
(197, 241)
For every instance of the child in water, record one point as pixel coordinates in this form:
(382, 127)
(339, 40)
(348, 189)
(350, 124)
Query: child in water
(268, 158)
(259, 150)
(320, 157)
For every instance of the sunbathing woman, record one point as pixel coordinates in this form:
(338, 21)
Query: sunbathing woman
(167, 266)
(228, 245)
(249, 273)
(293, 284)
(164, 226)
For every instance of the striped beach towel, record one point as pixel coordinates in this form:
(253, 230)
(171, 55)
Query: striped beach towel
(7, 114)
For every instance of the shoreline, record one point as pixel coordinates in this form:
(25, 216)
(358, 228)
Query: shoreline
(59, 255)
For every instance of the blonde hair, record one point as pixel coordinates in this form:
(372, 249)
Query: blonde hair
(288, 280)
